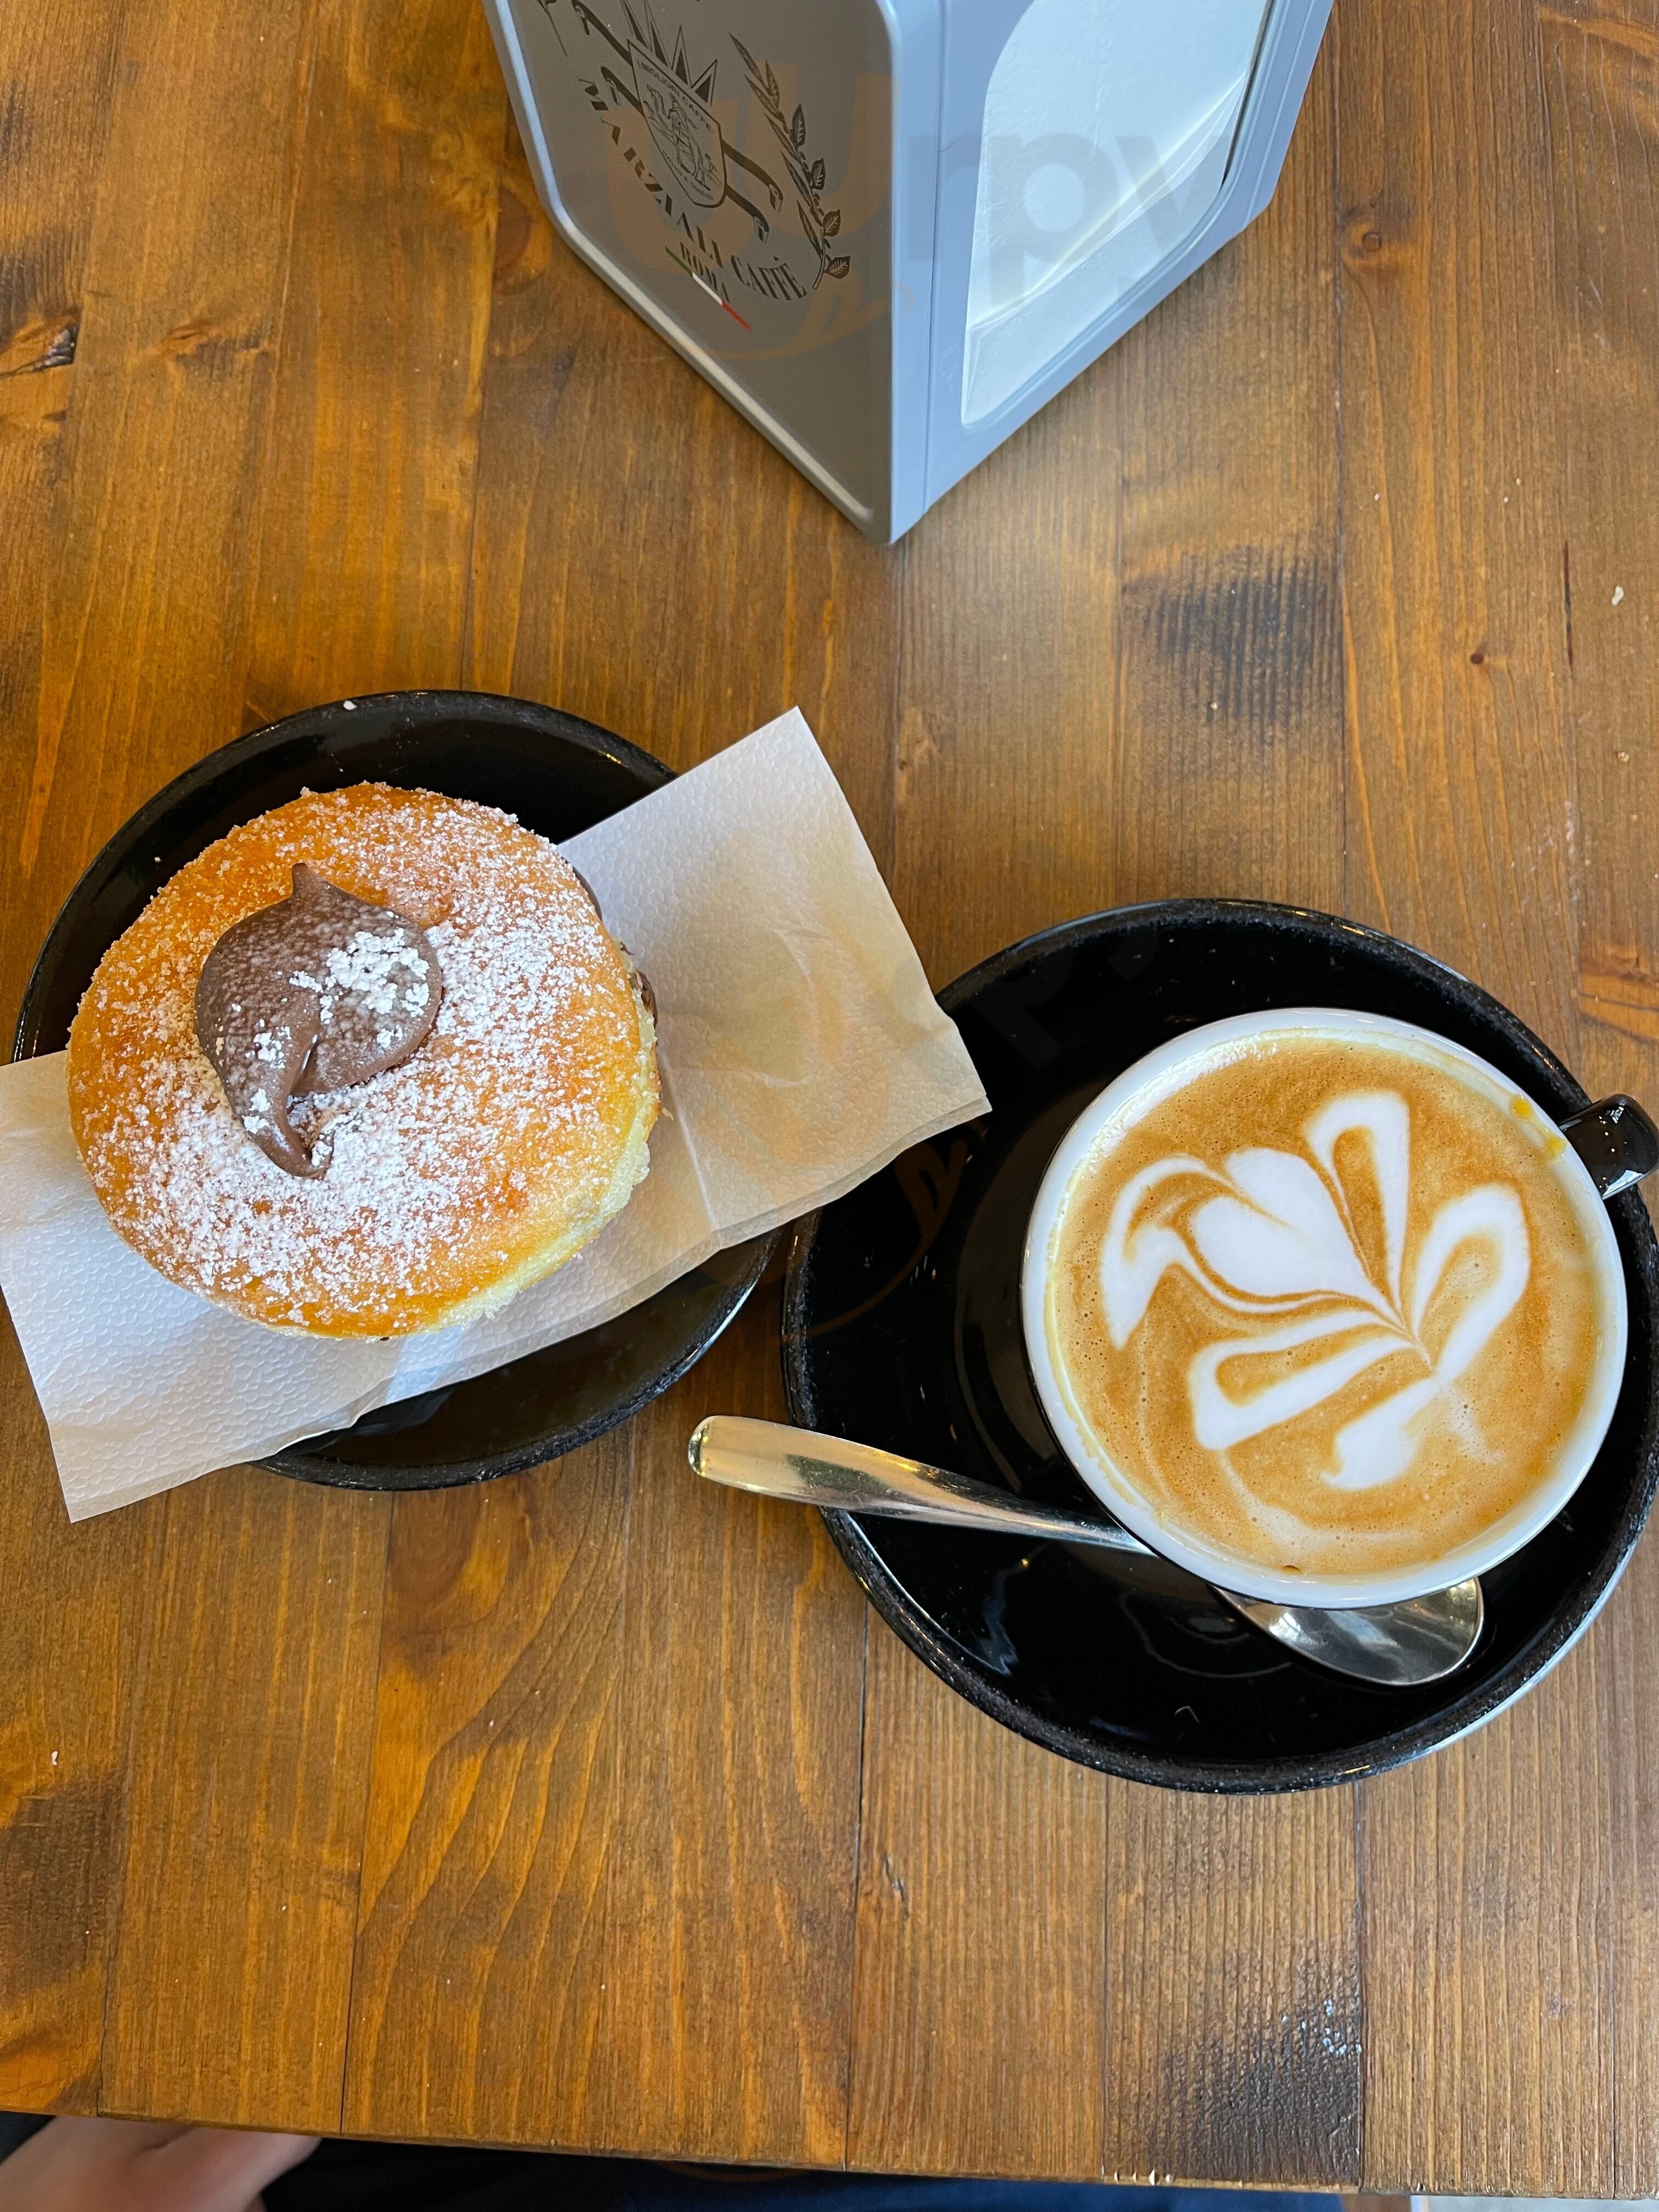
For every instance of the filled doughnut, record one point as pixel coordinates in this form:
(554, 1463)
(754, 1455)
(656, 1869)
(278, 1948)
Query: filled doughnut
(370, 1064)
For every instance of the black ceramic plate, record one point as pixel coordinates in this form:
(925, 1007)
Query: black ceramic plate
(902, 1328)
(558, 776)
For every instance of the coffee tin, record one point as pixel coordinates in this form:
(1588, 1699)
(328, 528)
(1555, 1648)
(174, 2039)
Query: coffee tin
(889, 231)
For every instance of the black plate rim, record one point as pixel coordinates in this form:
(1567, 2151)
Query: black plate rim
(916, 1628)
(417, 707)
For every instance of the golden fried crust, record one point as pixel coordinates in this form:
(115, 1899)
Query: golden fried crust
(514, 1133)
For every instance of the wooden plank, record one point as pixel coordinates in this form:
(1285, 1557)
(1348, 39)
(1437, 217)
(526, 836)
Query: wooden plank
(480, 1955)
(1599, 69)
(1487, 1978)
(65, 1631)
(57, 61)
(56, 65)
(730, 1878)
(1233, 1975)
(1459, 773)
(1485, 1924)
(608, 1897)
(1009, 746)
(371, 462)
(1224, 736)
(1628, 1638)
(250, 1726)
(979, 2001)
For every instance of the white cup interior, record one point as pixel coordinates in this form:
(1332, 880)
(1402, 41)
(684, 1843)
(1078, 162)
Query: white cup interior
(1134, 1093)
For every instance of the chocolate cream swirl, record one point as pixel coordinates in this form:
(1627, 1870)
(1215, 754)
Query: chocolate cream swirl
(319, 993)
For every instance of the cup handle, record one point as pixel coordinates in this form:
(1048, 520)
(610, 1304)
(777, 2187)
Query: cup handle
(1616, 1141)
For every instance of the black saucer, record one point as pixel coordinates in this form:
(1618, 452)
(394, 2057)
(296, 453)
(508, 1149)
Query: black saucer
(902, 1328)
(559, 775)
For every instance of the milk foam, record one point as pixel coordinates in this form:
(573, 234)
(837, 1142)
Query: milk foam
(1325, 1303)
(1274, 1239)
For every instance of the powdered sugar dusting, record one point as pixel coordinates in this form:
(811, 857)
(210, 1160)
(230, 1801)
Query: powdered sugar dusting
(369, 965)
(443, 1173)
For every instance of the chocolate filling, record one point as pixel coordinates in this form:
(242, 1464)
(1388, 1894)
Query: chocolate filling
(317, 993)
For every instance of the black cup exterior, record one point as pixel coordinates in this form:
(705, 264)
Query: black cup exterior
(902, 1328)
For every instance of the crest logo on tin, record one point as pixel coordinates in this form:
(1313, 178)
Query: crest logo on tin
(682, 126)
(751, 234)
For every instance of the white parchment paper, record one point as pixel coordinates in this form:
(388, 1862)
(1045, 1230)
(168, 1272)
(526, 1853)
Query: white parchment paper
(800, 1050)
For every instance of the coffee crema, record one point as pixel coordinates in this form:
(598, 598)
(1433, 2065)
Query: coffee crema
(1325, 1304)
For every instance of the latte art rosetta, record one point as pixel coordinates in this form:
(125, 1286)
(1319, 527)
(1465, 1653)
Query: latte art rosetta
(1324, 1301)
(1271, 1232)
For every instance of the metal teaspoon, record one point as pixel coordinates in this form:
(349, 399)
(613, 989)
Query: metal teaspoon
(1419, 1640)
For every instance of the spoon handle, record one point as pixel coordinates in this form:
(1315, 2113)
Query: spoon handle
(851, 1478)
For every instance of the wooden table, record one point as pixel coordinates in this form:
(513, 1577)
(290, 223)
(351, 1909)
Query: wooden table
(589, 1809)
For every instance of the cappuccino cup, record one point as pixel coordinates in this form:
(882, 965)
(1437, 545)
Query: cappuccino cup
(1323, 1309)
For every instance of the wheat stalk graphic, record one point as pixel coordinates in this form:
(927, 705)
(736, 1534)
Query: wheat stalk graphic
(820, 223)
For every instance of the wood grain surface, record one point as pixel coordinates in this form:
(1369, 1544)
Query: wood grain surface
(589, 1809)
(1488, 1865)
(1599, 77)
